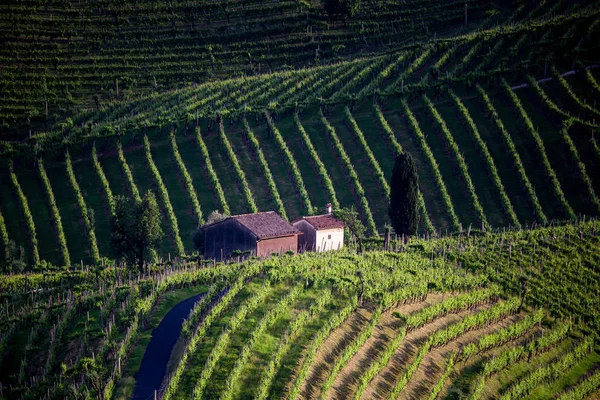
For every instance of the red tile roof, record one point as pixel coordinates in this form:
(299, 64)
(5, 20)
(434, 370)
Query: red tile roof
(325, 221)
(266, 224)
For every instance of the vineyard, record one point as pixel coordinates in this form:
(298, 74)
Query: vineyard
(244, 106)
(475, 316)
(500, 116)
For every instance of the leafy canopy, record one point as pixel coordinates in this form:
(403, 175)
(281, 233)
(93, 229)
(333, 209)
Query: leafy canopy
(404, 196)
(135, 228)
(354, 225)
(341, 9)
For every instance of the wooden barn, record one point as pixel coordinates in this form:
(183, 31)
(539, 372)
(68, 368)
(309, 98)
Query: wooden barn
(262, 234)
(320, 232)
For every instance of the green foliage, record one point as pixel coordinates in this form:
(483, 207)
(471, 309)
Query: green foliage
(341, 9)
(164, 195)
(515, 155)
(55, 215)
(459, 158)
(105, 185)
(266, 170)
(211, 172)
(360, 192)
(404, 196)
(27, 213)
(354, 225)
(187, 178)
(135, 228)
(4, 238)
(241, 175)
(398, 149)
(433, 163)
(550, 174)
(317, 160)
(508, 208)
(89, 223)
(291, 162)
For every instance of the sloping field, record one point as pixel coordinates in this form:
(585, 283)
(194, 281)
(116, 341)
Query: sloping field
(507, 315)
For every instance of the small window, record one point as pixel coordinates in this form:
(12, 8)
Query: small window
(328, 236)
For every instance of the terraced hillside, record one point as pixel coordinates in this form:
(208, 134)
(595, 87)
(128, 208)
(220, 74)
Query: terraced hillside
(486, 158)
(60, 56)
(507, 315)
(500, 119)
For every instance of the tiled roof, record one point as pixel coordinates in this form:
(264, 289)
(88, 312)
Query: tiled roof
(325, 221)
(266, 224)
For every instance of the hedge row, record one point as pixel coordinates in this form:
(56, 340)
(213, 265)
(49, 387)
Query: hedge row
(541, 149)
(459, 158)
(434, 165)
(27, 214)
(62, 241)
(398, 149)
(83, 208)
(187, 178)
(515, 155)
(214, 179)
(266, 170)
(360, 192)
(164, 194)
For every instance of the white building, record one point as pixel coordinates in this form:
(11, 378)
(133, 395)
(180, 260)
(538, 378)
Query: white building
(320, 232)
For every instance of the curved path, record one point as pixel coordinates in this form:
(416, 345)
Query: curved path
(164, 336)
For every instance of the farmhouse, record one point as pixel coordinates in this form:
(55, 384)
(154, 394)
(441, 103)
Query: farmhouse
(261, 234)
(320, 232)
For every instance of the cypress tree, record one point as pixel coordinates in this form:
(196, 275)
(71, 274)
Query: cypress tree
(404, 196)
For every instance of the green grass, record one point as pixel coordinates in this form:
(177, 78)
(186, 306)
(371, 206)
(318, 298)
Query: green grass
(192, 157)
(254, 174)
(507, 171)
(72, 220)
(144, 180)
(319, 196)
(282, 173)
(528, 152)
(558, 153)
(32, 187)
(375, 194)
(162, 155)
(95, 199)
(225, 172)
(457, 188)
(326, 151)
(486, 191)
(569, 378)
(431, 194)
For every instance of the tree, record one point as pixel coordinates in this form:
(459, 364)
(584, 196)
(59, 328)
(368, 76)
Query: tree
(135, 228)
(354, 225)
(404, 196)
(341, 9)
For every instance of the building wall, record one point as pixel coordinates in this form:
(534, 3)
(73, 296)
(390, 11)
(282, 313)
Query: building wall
(306, 241)
(266, 247)
(329, 239)
(220, 240)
